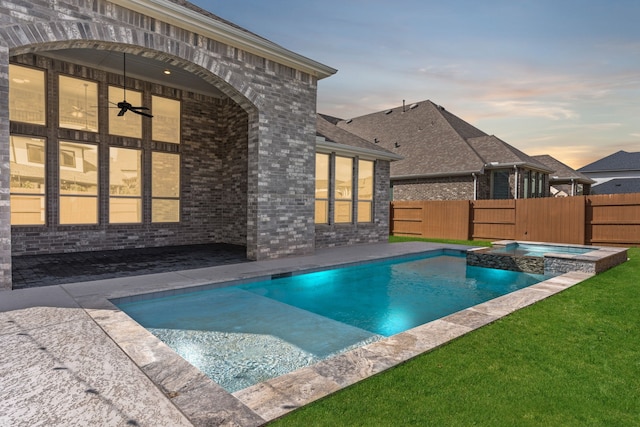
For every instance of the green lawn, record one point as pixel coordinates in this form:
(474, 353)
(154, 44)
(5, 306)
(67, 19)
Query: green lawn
(570, 360)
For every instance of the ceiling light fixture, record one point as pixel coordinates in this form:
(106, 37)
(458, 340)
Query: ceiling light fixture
(167, 72)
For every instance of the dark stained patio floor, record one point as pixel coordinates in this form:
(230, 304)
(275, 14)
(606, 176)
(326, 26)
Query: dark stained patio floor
(32, 271)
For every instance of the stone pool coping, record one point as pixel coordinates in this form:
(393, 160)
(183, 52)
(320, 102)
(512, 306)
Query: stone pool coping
(147, 381)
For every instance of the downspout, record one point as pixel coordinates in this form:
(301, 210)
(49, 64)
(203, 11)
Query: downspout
(573, 187)
(515, 196)
(475, 186)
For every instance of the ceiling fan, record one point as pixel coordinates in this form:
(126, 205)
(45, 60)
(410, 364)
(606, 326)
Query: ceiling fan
(125, 106)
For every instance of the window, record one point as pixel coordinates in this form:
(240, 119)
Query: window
(500, 184)
(343, 189)
(165, 188)
(78, 183)
(78, 104)
(125, 185)
(322, 189)
(27, 176)
(365, 190)
(130, 123)
(26, 95)
(165, 125)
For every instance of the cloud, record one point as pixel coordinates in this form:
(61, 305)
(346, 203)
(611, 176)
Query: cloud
(541, 109)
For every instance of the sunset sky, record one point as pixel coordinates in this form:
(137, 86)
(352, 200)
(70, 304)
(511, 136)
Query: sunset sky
(559, 77)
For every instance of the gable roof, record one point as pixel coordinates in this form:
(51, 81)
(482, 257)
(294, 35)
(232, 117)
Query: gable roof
(435, 142)
(562, 172)
(620, 161)
(617, 186)
(332, 138)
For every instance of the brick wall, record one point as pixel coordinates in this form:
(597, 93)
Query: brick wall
(445, 188)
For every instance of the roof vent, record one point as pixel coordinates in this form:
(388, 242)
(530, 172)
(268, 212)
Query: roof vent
(349, 121)
(375, 140)
(441, 107)
(397, 145)
(388, 112)
(412, 106)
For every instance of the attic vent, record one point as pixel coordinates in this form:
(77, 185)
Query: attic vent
(388, 112)
(441, 107)
(349, 121)
(412, 106)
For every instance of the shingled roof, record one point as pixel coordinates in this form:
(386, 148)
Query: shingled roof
(618, 186)
(435, 142)
(326, 128)
(620, 161)
(561, 172)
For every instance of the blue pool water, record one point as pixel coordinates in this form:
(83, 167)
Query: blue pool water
(525, 249)
(244, 334)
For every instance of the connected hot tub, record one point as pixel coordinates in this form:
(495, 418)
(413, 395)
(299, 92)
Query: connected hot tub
(546, 258)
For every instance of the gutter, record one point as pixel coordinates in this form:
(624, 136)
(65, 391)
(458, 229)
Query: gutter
(182, 17)
(324, 146)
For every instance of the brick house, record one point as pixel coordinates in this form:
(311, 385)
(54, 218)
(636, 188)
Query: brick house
(446, 158)
(228, 156)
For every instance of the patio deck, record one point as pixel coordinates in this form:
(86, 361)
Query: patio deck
(70, 357)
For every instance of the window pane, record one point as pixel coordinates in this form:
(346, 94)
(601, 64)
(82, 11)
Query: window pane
(364, 211)
(322, 212)
(344, 178)
(27, 180)
(26, 95)
(165, 210)
(125, 185)
(322, 176)
(343, 212)
(78, 104)
(365, 180)
(125, 210)
(78, 210)
(125, 172)
(78, 183)
(78, 169)
(27, 210)
(166, 120)
(129, 124)
(500, 184)
(165, 175)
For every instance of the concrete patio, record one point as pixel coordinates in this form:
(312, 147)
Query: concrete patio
(70, 357)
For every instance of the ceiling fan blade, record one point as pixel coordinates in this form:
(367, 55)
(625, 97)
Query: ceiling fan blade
(138, 108)
(122, 111)
(141, 113)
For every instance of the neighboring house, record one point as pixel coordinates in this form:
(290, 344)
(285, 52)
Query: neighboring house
(228, 157)
(564, 180)
(446, 158)
(620, 166)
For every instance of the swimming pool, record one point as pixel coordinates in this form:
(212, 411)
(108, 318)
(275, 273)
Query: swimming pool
(245, 334)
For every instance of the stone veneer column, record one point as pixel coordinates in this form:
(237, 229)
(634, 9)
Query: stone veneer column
(5, 209)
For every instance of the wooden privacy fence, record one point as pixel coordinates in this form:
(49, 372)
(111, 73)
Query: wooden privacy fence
(612, 219)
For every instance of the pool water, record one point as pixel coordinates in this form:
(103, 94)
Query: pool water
(245, 334)
(538, 250)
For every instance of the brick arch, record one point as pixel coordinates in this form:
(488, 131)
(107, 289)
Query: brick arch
(218, 75)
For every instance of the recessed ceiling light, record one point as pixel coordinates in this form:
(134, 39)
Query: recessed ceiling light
(167, 72)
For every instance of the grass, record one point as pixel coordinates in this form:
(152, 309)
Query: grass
(570, 360)
(397, 239)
